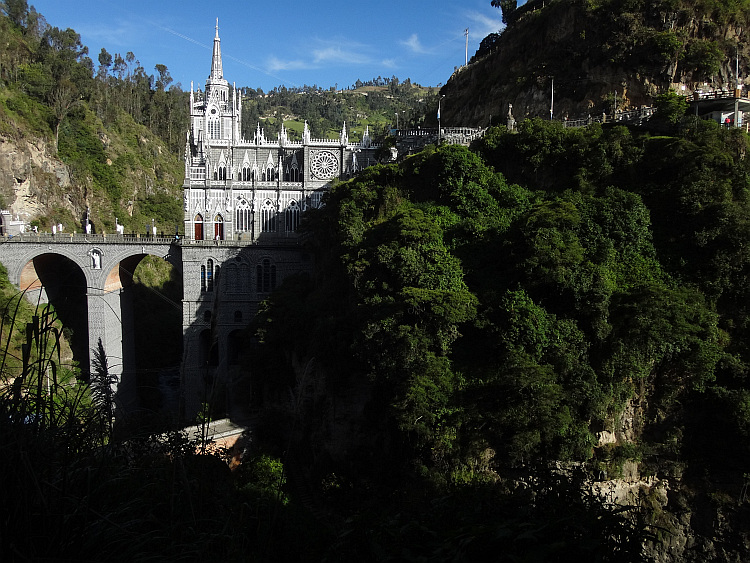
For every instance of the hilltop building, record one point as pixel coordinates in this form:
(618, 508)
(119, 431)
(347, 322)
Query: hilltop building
(247, 189)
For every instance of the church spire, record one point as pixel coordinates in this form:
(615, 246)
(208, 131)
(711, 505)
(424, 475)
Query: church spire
(216, 71)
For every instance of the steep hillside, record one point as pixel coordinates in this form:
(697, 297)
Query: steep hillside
(70, 140)
(601, 54)
(119, 171)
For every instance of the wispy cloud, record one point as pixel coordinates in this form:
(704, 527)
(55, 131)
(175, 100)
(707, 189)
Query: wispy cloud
(482, 25)
(414, 44)
(337, 54)
(326, 53)
(115, 36)
(275, 64)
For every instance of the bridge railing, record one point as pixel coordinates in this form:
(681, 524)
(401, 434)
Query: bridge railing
(631, 116)
(270, 241)
(78, 238)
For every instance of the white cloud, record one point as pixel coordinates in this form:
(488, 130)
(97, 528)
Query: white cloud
(325, 54)
(119, 36)
(275, 64)
(482, 25)
(336, 54)
(414, 44)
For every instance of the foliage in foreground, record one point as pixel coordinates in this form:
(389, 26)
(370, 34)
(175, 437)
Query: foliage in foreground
(77, 487)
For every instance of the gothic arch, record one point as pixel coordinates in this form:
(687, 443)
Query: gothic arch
(265, 276)
(218, 227)
(269, 174)
(292, 215)
(198, 223)
(243, 216)
(268, 217)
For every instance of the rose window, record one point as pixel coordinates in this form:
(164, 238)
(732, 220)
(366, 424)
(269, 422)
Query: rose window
(324, 165)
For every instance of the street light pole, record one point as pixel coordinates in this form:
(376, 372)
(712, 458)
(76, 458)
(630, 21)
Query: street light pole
(440, 132)
(396, 120)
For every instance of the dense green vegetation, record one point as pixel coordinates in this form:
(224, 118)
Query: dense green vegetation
(501, 306)
(372, 105)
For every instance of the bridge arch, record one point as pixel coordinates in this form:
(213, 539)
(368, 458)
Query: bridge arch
(87, 279)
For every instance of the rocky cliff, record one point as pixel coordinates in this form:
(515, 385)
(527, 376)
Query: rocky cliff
(599, 56)
(119, 169)
(30, 174)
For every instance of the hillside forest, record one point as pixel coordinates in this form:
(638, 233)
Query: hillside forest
(531, 349)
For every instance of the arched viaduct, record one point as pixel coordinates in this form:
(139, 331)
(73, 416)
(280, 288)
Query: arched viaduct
(88, 273)
(223, 282)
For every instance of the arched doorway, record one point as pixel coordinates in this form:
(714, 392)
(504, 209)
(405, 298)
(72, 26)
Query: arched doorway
(198, 221)
(218, 227)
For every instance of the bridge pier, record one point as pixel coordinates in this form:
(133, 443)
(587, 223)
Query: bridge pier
(110, 317)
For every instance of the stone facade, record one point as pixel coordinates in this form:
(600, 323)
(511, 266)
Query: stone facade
(223, 285)
(248, 189)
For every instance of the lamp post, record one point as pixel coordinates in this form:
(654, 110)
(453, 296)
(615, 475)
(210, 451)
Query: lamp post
(440, 99)
(397, 121)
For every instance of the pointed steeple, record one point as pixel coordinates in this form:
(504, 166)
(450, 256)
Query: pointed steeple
(306, 134)
(217, 73)
(344, 137)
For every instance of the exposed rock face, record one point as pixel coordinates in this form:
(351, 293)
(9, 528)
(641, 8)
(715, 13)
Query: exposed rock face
(30, 177)
(593, 66)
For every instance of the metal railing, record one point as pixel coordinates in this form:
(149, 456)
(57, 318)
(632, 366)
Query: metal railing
(273, 239)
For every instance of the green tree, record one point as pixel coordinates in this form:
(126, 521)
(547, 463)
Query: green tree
(671, 107)
(16, 11)
(102, 386)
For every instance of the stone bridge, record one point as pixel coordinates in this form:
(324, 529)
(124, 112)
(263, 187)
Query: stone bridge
(223, 282)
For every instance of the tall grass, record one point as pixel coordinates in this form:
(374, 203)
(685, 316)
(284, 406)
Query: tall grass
(75, 488)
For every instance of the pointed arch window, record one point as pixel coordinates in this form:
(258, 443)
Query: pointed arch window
(270, 174)
(214, 128)
(245, 278)
(292, 216)
(231, 278)
(218, 227)
(243, 216)
(209, 275)
(268, 217)
(265, 276)
(198, 222)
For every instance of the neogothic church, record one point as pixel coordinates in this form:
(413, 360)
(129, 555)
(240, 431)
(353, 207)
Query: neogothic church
(252, 189)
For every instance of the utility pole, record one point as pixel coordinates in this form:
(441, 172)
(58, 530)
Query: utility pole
(440, 99)
(737, 92)
(466, 58)
(552, 100)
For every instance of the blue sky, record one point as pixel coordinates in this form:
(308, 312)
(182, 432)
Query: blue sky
(272, 43)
